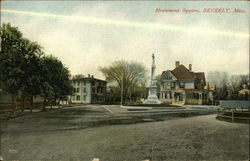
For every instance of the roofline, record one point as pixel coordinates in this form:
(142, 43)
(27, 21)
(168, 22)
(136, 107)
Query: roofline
(87, 78)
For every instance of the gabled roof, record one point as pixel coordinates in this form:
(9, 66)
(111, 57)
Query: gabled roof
(182, 73)
(167, 71)
(193, 74)
(200, 75)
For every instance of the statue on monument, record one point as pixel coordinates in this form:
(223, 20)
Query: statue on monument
(152, 89)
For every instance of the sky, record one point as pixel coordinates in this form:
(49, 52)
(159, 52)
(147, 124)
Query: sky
(86, 35)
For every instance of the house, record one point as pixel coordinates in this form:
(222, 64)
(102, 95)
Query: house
(244, 92)
(183, 86)
(90, 90)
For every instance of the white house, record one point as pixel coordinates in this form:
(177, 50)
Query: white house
(90, 90)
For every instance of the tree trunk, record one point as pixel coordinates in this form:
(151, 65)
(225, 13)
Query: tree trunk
(23, 104)
(31, 103)
(44, 104)
(58, 103)
(69, 101)
(13, 106)
(125, 95)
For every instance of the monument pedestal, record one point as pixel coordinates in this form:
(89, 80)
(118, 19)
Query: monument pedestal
(152, 89)
(152, 95)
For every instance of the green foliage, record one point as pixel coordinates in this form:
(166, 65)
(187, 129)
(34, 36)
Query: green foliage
(158, 83)
(32, 77)
(56, 83)
(25, 69)
(11, 73)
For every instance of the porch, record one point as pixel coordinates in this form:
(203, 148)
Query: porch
(185, 96)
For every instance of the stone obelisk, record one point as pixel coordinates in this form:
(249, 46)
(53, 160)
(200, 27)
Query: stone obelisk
(152, 89)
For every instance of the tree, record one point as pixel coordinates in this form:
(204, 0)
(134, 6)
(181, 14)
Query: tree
(227, 86)
(234, 86)
(56, 84)
(32, 77)
(158, 83)
(138, 91)
(26, 72)
(126, 75)
(11, 73)
(221, 81)
(244, 80)
(236, 83)
(19, 65)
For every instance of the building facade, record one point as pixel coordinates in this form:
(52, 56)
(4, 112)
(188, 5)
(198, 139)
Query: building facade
(183, 86)
(90, 90)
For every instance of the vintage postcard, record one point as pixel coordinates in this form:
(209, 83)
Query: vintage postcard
(124, 80)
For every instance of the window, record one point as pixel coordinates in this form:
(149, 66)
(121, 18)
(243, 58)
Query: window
(166, 84)
(168, 95)
(84, 83)
(84, 98)
(182, 85)
(78, 97)
(77, 90)
(78, 83)
(172, 84)
(168, 77)
(84, 90)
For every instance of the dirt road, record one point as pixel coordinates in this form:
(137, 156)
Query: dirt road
(192, 138)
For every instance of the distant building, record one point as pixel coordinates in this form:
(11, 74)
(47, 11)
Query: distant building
(90, 90)
(183, 86)
(244, 91)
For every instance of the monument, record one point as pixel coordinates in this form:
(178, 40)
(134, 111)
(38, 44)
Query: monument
(152, 89)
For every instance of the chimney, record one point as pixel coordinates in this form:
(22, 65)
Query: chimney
(177, 63)
(190, 67)
(89, 75)
(92, 76)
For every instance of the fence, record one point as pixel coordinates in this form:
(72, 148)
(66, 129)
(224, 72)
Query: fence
(235, 110)
(234, 104)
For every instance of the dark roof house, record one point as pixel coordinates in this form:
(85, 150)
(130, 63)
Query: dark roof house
(183, 85)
